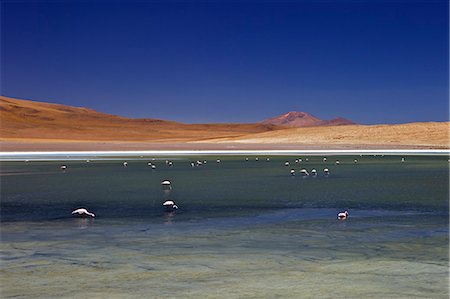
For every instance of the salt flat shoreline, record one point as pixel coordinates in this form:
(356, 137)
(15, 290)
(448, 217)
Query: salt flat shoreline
(69, 145)
(51, 150)
(100, 155)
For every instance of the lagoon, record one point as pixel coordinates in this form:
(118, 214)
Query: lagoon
(244, 228)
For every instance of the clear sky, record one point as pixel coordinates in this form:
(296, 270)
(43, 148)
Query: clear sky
(372, 61)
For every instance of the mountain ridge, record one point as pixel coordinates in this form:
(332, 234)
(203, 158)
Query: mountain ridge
(30, 125)
(41, 120)
(304, 119)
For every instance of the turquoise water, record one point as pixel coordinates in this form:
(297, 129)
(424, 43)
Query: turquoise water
(244, 229)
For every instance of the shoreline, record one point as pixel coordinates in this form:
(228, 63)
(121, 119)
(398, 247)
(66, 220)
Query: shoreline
(64, 149)
(44, 145)
(107, 155)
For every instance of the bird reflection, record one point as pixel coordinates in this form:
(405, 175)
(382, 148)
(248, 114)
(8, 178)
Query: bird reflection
(84, 223)
(168, 217)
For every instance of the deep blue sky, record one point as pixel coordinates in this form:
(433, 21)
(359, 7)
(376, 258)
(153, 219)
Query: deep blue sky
(371, 61)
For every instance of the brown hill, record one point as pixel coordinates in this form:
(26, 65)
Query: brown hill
(294, 119)
(304, 119)
(39, 120)
(340, 121)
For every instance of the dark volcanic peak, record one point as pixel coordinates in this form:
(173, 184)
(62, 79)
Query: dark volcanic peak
(304, 119)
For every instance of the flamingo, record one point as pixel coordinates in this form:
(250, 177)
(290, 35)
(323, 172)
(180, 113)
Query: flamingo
(82, 212)
(170, 205)
(304, 172)
(342, 215)
(166, 184)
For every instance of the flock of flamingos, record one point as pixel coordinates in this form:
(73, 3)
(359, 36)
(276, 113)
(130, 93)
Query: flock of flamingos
(170, 205)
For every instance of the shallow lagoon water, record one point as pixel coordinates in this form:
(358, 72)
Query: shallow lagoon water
(244, 229)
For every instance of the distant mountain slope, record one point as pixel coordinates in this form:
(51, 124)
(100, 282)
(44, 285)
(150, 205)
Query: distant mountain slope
(40, 120)
(340, 121)
(424, 134)
(31, 113)
(304, 119)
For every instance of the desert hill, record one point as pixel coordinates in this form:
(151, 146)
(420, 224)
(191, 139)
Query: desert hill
(29, 125)
(304, 119)
(39, 120)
